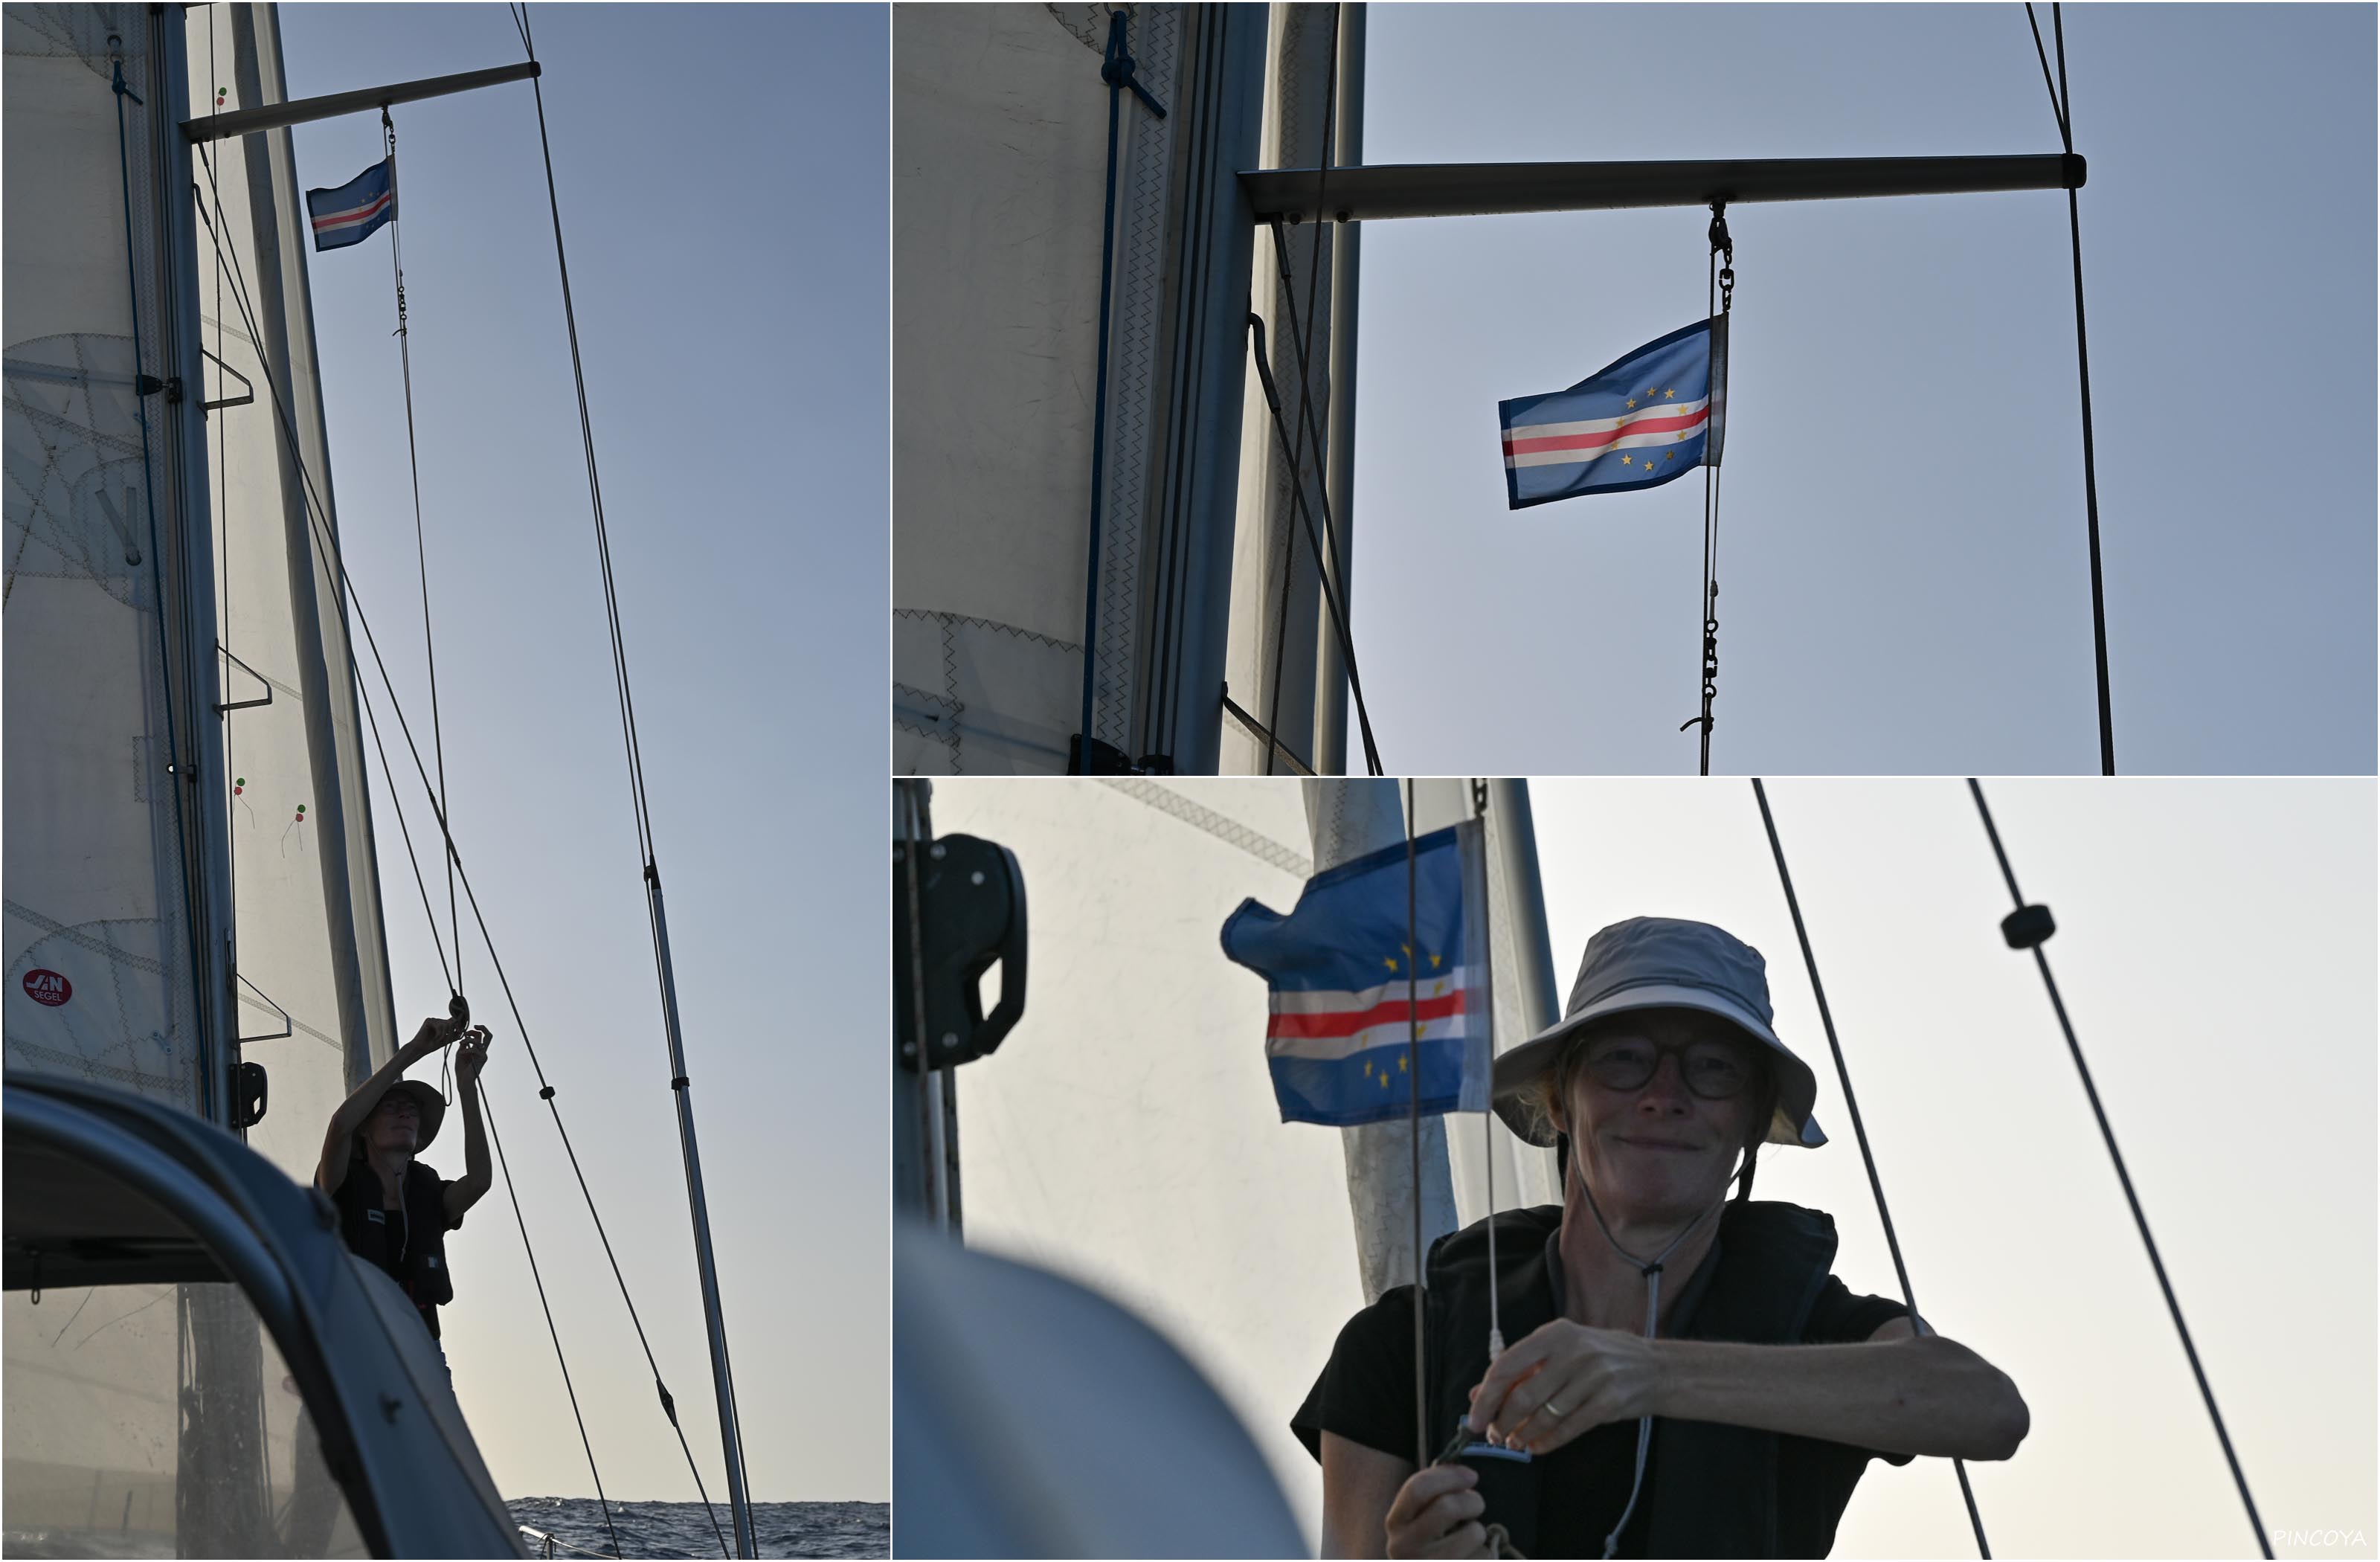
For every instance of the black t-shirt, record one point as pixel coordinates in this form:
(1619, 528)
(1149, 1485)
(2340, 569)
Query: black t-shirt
(1366, 1395)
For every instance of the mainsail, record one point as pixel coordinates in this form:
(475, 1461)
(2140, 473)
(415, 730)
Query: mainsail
(168, 607)
(1126, 1134)
(105, 916)
(185, 784)
(312, 959)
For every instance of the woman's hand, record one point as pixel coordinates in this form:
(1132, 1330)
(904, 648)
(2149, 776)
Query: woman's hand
(1437, 1514)
(1563, 1381)
(436, 1032)
(471, 1056)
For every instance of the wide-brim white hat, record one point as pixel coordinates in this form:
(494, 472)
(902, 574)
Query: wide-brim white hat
(1662, 962)
(430, 1107)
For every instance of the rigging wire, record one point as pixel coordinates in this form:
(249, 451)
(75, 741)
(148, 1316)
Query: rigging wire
(739, 1478)
(1329, 594)
(1721, 301)
(2061, 105)
(512, 1192)
(1305, 339)
(1488, 1119)
(1413, 1118)
(318, 517)
(2028, 927)
(420, 547)
(1859, 1125)
(406, 831)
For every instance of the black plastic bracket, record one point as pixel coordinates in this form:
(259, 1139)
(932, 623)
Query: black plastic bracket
(970, 915)
(1105, 757)
(251, 1091)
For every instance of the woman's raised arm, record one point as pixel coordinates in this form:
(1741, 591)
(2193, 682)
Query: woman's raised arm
(351, 1113)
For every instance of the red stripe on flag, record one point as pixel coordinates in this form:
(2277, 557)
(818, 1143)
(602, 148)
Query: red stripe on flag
(342, 219)
(1348, 1021)
(1592, 441)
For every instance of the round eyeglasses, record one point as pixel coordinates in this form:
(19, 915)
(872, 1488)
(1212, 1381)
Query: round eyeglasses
(1714, 1071)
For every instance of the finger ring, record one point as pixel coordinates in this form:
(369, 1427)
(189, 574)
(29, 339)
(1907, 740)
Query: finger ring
(1554, 1411)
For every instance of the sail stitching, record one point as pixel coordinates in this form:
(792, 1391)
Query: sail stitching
(1230, 832)
(928, 613)
(1136, 352)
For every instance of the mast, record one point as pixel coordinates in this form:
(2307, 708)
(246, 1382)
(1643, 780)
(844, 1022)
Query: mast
(191, 561)
(1346, 251)
(925, 1106)
(1349, 817)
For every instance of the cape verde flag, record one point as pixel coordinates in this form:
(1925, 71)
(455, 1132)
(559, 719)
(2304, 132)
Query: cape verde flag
(1339, 1043)
(1642, 422)
(355, 211)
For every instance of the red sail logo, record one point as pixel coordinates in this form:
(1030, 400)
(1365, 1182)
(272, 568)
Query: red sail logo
(47, 987)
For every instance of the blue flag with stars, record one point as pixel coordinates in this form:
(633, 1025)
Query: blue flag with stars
(1642, 422)
(1351, 989)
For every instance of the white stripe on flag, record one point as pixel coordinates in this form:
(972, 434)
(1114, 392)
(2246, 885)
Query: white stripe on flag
(1430, 987)
(1392, 1037)
(1605, 425)
(1625, 442)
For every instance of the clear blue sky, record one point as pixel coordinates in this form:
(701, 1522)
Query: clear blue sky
(723, 175)
(1905, 585)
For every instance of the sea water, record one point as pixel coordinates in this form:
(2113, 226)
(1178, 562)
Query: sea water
(683, 1528)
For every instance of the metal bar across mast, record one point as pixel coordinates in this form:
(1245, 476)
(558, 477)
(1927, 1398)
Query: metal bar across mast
(1457, 189)
(272, 116)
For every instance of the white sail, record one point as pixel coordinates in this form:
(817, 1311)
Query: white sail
(102, 980)
(1126, 1133)
(987, 640)
(1000, 180)
(311, 956)
(160, 1417)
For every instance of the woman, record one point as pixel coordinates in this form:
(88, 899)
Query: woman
(394, 1211)
(1684, 1374)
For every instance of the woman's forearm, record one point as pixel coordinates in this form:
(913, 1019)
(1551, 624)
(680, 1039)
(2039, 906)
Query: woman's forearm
(359, 1106)
(1921, 1395)
(477, 1175)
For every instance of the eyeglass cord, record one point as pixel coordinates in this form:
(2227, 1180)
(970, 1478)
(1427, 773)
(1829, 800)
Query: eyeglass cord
(1652, 1273)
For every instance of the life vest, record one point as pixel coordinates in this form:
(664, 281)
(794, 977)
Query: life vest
(1711, 1489)
(421, 1268)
